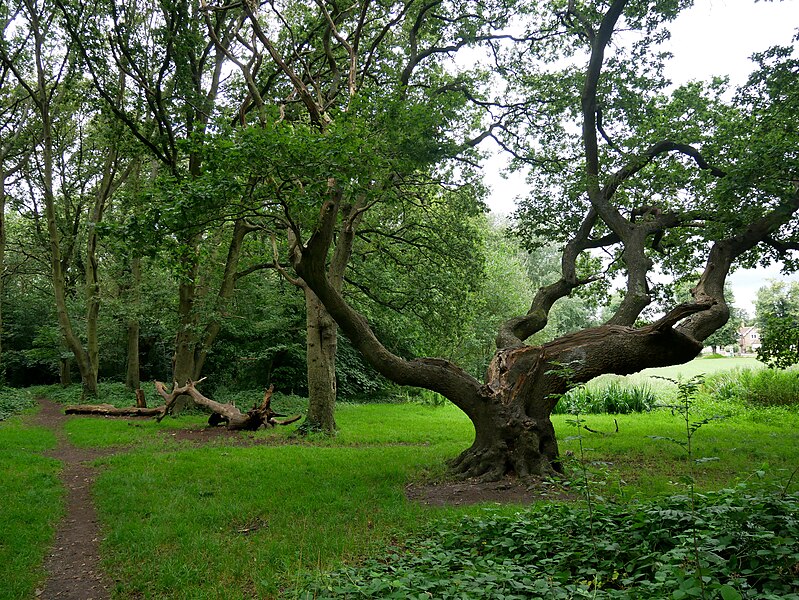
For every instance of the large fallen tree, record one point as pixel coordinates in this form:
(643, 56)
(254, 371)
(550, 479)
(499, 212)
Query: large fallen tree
(227, 414)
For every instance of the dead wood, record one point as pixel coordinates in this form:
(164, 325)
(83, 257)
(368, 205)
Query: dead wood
(109, 410)
(226, 414)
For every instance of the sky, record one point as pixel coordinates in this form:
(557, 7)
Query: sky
(714, 37)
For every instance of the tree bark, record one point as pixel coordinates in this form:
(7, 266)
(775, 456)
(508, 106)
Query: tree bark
(232, 417)
(321, 340)
(183, 366)
(42, 100)
(109, 410)
(322, 329)
(132, 371)
(2, 252)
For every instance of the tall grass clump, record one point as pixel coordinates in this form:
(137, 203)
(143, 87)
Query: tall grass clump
(764, 387)
(615, 398)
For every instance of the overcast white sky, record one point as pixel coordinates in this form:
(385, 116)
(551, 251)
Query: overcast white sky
(714, 37)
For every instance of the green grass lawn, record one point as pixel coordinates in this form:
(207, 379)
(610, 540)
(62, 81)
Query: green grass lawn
(704, 366)
(223, 521)
(30, 507)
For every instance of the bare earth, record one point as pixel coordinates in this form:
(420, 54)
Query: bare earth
(73, 565)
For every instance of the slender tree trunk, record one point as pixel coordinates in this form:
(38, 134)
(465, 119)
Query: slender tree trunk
(65, 371)
(321, 361)
(132, 380)
(2, 256)
(226, 289)
(322, 329)
(183, 368)
(88, 376)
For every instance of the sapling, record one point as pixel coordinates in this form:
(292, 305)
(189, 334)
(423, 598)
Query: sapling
(567, 373)
(686, 396)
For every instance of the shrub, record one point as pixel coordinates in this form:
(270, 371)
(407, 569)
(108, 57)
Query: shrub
(748, 542)
(615, 398)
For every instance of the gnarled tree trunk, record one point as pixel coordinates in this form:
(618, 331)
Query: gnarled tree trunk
(513, 431)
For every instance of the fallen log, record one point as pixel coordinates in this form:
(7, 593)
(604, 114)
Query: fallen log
(225, 414)
(109, 410)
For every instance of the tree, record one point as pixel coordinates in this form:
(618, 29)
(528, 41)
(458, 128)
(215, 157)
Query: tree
(14, 148)
(777, 317)
(643, 190)
(778, 299)
(334, 103)
(67, 167)
(165, 84)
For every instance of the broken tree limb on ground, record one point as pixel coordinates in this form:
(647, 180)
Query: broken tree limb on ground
(226, 414)
(109, 410)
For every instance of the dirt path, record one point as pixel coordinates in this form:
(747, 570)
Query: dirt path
(73, 565)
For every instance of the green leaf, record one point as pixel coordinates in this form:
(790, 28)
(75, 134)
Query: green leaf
(727, 592)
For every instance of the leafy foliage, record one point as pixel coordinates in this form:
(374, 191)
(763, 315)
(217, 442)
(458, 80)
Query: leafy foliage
(777, 314)
(13, 401)
(748, 540)
(779, 341)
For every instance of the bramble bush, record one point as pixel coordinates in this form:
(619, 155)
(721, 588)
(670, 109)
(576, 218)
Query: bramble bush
(748, 540)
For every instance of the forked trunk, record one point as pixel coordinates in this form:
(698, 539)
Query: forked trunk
(513, 432)
(321, 351)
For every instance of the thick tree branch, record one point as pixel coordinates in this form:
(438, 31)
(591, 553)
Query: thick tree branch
(434, 374)
(513, 332)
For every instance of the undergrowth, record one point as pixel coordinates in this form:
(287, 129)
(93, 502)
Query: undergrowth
(615, 398)
(111, 392)
(14, 401)
(764, 387)
(748, 540)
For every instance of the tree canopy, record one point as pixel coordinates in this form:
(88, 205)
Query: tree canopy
(205, 171)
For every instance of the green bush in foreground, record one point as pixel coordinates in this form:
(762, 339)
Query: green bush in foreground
(748, 544)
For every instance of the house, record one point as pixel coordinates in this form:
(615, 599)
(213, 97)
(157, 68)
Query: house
(748, 339)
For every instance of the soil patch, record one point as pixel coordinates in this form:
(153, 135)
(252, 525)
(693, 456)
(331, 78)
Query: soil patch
(204, 435)
(73, 565)
(473, 491)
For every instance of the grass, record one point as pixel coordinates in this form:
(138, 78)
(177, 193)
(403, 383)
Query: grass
(702, 366)
(220, 521)
(31, 506)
